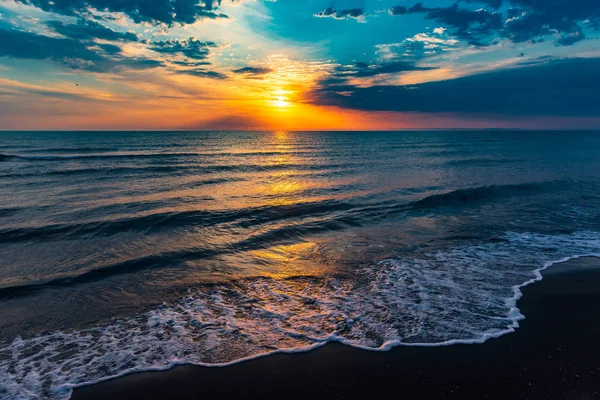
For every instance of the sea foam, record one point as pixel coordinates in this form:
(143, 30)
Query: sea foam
(465, 294)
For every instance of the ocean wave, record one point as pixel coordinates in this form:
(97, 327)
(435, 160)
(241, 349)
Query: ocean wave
(5, 212)
(128, 170)
(80, 154)
(7, 157)
(479, 162)
(258, 215)
(176, 258)
(67, 150)
(331, 214)
(276, 224)
(250, 216)
(464, 294)
(492, 192)
(130, 156)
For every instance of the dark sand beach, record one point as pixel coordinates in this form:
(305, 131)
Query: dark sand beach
(553, 355)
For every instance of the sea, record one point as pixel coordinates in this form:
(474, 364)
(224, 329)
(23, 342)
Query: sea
(137, 251)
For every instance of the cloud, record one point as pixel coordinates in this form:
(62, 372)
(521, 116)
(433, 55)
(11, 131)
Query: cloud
(531, 21)
(168, 12)
(492, 3)
(418, 46)
(9, 87)
(402, 10)
(470, 25)
(19, 44)
(194, 51)
(192, 63)
(572, 38)
(560, 87)
(252, 71)
(473, 26)
(89, 30)
(565, 9)
(72, 53)
(523, 20)
(190, 48)
(202, 73)
(79, 49)
(355, 13)
(364, 70)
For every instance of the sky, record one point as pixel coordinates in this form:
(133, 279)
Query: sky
(299, 64)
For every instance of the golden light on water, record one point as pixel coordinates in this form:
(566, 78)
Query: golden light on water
(280, 136)
(282, 187)
(284, 261)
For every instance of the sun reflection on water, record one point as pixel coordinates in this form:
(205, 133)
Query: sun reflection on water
(289, 260)
(283, 187)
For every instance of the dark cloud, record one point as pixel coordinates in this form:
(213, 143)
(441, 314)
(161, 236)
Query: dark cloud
(401, 10)
(470, 25)
(391, 68)
(523, 20)
(19, 44)
(86, 55)
(252, 71)
(512, 12)
(572, 38)
(154, 11)
(89, 30)
(473, 26)
(330, 12)
(203, 73)
(530, 20)
(190, 48)
(135, 63)
(364, 70)
(193, 63)
(492, 3)
(196, 52)
(72, 53)
(109, 48)
(594, 23)
(340, 75)
(565, 87)
(537, 60)
(561, 9)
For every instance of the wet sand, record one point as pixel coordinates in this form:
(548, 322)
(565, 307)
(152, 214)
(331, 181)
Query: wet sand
(555, 354)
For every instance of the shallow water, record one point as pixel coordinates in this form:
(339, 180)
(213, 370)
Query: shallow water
(128, 251)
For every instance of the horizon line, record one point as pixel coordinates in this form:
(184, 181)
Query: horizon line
(313, 130)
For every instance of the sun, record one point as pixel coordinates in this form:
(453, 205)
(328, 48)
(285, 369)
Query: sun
(281, 102)
(280, 99)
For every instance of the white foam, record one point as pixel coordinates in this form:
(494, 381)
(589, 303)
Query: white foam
(466, 294)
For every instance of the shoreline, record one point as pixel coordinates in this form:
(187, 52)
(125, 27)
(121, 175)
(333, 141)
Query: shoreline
(535, 361)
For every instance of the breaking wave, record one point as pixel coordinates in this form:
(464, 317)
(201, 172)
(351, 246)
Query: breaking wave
(464, 294)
